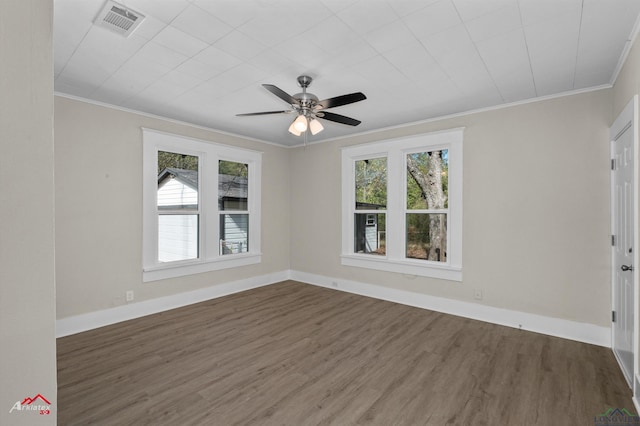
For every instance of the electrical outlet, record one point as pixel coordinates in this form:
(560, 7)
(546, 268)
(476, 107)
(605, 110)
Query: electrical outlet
(130, 296)
(477, 293)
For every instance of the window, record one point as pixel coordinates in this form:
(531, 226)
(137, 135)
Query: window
(232, 197)
(402, 205)
(370, 205)
(201, 206)
(178, 209)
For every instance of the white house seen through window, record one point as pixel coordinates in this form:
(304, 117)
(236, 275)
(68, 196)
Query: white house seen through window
(178, 212)
(201, 206)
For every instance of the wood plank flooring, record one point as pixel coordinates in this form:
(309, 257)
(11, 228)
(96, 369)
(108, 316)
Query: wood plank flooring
(295, 354)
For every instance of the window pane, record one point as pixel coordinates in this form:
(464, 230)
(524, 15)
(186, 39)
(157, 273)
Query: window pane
(234, 233)
(427, 236)
(371, 184)
(428, 180)
(177, 181)
(370, 233)
(232, 185)
(177, 237)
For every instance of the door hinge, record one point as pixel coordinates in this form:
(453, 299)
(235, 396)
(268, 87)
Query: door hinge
(613, 240)
(613, 316)
(613, 164)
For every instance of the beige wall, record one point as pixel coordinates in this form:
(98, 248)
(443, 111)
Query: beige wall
(99, 208)
(27, 286)
(535, 207)
(536, 218)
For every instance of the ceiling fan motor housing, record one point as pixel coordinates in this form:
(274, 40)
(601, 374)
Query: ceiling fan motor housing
(307, 100)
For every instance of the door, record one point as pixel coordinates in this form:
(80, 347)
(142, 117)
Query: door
(622, 214)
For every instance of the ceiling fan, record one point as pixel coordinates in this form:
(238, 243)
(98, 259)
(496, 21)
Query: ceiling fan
(309, 109)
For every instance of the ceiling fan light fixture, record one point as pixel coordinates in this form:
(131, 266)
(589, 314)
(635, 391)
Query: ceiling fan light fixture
(300, 123)
(293, 130)
(315, 126)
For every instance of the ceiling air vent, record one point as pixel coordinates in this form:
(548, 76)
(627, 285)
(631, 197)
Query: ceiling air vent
(119, 18)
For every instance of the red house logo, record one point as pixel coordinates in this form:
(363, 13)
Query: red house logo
(29, 401)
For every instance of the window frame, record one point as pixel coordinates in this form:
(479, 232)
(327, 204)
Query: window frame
(396, 150)
(222, 212)
(208, 153)
(165, 211)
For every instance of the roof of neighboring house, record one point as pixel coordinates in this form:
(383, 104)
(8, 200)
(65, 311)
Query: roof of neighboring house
(187, 177)
(370, 206)
(228, 186)
(232, 186)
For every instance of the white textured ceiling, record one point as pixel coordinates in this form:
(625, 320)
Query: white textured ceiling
(203, 61)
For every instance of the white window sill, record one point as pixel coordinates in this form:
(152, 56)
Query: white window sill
(180, 269)
(403, 266)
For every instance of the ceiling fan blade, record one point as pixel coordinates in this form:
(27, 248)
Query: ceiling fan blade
(281, 94)
(264, 113)
(342, 100)
(338, 118)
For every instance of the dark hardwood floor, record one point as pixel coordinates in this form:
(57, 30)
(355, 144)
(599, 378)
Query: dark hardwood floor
(295, 354)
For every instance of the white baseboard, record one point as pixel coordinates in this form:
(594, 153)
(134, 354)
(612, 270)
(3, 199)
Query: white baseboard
(572, 330)
(91, 320)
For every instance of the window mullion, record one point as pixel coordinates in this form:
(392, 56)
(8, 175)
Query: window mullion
(395, 221)
(427, 211)
(178, 211)
(209, 209)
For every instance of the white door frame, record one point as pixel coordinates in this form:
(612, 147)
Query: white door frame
(629, 116)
